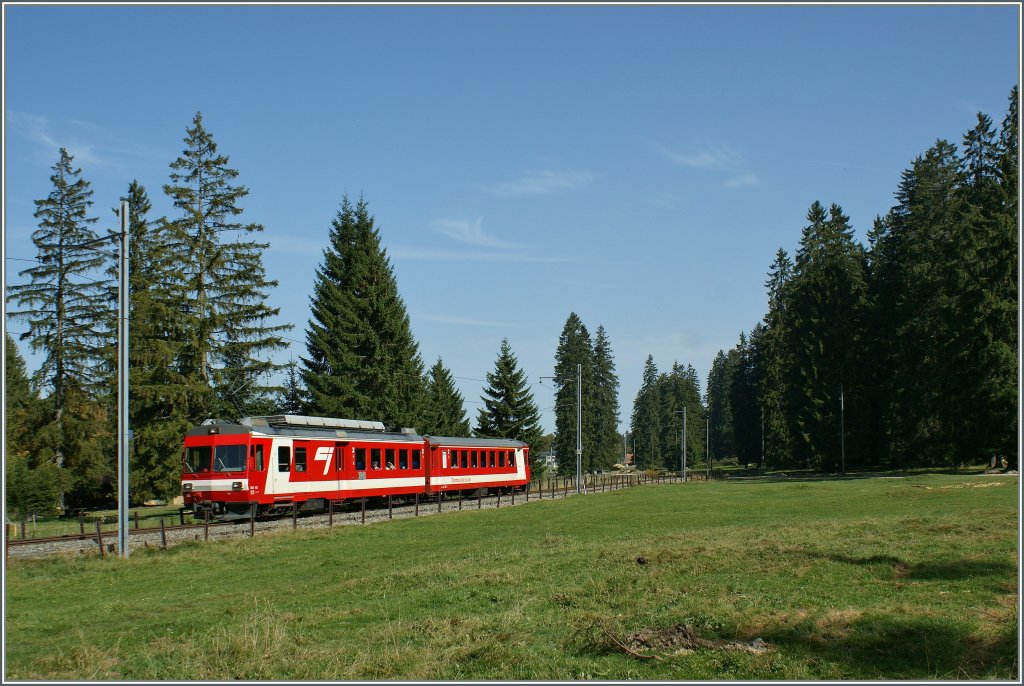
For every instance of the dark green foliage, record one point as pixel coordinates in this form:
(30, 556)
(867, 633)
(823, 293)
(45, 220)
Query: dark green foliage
(723, 441)
(363, 362)
(575, 349)
(291, 399)
(66, 305)
(919, 331)
(677, 390)
(445, 411)
(32, 486)
(158, 393)
(646, 420)
(607, 441)
(509, 410)
(221, 286)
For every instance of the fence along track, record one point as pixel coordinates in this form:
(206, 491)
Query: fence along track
(354, 512)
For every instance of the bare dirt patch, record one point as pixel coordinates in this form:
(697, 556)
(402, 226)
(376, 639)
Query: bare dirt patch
(680, 639)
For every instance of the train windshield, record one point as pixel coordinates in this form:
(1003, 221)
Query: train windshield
(229, 458)
(197, 459)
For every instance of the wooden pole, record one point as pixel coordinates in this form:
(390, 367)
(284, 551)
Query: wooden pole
(252, 521)
(389, 507)
(163, 535)
(206, 525)
(99, 537)
(330, 513)
(363, 510)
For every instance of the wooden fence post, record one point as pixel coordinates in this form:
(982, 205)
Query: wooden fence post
(99, 537)
(363, 510)
(416, 499)
(460, 501)
(163, 535)
(252, 520)
(295, 515)
(81, 523)
(514, 493)
(206, 525)
(440, 495)
(330, 512)
(389, 507)
(499, 498)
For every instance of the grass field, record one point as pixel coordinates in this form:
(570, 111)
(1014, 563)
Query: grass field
(912, 578)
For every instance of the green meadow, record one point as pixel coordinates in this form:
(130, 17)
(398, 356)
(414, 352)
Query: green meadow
(859, 578)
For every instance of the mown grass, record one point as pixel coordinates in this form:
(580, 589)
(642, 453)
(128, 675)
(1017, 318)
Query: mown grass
(850, 579)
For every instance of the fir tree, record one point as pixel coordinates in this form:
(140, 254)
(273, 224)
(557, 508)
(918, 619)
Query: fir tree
(291, 399)
(445, 413)
(645, 422)
(574, 348)
(157, 391)
(606, 439)
(720, 406)
(509, 410)
(363, 361)
(69, 318)
(222, 287)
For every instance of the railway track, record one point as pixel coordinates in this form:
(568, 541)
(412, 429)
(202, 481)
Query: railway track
(354, 513)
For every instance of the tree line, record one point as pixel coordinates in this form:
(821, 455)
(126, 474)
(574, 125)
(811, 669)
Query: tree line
(901, 353)
(203, 337)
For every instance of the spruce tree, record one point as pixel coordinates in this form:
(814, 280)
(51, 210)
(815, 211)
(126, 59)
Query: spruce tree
(574, 348)
(509, 410)
(827, 301)
(222, 287)
(291, 399)
(66, 305)
(445, 412)
(645, 421)
(720, 406)
(362, 362)
(157, 390)
(606, 439)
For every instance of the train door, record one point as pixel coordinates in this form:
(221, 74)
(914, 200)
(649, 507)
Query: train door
(302, 461)
(279, 466)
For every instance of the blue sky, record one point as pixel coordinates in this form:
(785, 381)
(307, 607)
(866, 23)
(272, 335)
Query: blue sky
(639, 165)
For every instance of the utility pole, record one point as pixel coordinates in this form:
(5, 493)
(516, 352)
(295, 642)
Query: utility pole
(123, 428)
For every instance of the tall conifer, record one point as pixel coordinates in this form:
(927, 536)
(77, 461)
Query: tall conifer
(509, 409)
(445, 412)
(362, 361)
(222, 285)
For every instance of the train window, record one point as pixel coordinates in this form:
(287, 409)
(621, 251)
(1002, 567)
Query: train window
(389, 456)
(403, 459)
(454, 462)
(501, 458)
(229, 458)
(465, 459)
(492, 458)
(259, 458)
(374, 458)
(511, 458)
(197, 459)
(360, 459)
(416, 458)
(472, 459)
(339, 456)
(300, 459)
(284, 458)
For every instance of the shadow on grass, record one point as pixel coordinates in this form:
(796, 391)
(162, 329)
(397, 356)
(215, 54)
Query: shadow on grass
(901, 647)
(752, 476)
(992, 573)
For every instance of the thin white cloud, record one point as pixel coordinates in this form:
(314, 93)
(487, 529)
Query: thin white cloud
(462, 321)
(465, 231)
(89, 144)
(742, 180)
(720, 157)
(545, 181)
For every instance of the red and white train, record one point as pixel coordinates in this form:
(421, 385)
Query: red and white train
(283, 461)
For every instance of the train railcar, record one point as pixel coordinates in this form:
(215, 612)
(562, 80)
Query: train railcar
(279, 462)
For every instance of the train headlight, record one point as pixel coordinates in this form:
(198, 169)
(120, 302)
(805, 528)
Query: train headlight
(186, 487)
(236, 485)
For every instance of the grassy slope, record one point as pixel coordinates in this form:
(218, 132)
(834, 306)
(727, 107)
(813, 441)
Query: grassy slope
(861, 579)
